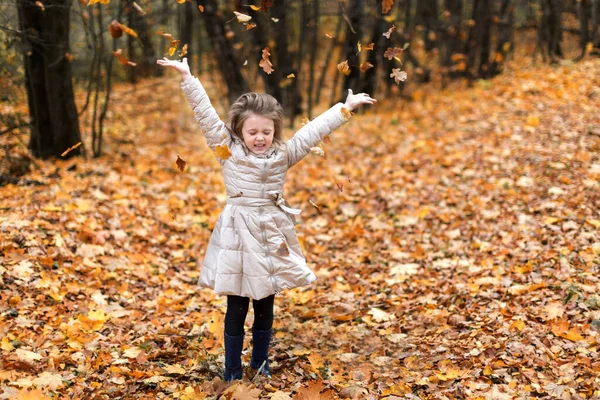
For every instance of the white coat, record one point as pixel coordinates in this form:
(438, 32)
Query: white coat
(253, 250)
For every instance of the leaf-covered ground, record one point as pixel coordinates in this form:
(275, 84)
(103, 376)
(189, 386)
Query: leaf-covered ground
(455, 238)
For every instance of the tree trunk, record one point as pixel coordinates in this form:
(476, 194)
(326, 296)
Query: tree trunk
(353, 36)
(504, 37)
(215, 27)
(426, 16)
(478, 45)
(453, 42)
(370, 75)
(328, 56)
(313, 55)
(550, 28)
(54, 120)
(146, 66)
(186, 32)
(260, 41)
(290, 98)
(595, 16)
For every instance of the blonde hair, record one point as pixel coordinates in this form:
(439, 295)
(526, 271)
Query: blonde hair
(261, 104)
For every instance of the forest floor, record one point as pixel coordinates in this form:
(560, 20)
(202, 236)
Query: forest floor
(455, 241)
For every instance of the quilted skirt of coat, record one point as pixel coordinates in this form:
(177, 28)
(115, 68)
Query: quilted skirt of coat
(254, 251)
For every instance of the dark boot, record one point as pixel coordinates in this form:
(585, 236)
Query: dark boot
(233, 357)
(260, 350)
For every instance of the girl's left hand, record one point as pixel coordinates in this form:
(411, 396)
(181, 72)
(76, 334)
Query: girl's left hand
(355, 100)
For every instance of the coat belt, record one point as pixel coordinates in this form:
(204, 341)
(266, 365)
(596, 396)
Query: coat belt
(273, 199)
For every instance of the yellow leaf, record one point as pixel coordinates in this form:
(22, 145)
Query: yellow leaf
(290, 76)
(346, 113)
(344, 68)
(359, 47)
(301, 352)
(533, 120)
(172, 50)
(6, 345)
(223, 152)
(594, 222)
(255, 8)
(518, 325)
(550, 220)
(488, 370)
(174, 369)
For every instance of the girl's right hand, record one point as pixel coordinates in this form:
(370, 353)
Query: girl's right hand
(182, 67)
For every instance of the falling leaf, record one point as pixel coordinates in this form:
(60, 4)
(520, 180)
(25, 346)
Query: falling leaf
(329, 36)
(389, 32)
(70, 149)
(318, 151)
(344, 68)
(123, 60)
(386, 6)
(392, 52)
(201, 8)
(265, 5)
(250, 26)
(169, 37)
(127, 30)
(115, 30)
(180, 163)
(369, 47)
(366, 66)
(98, 2)
(265, 63)
(242, 17)
(138, 8)
(223, 152)
(276, 20)
(172, 51)
(283, 250)
(358, 46)
(346, 113)
(183, 51)
(255, 8)
(290, 76)
(40, 5)
(398, 75)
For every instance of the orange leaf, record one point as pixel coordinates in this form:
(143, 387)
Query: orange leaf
(314, 391)
(386, 6)
(369, 47)
(127, 30)
(344, 68)
(365, 66)
(223, 152)
(180, 163)
(265, 63)
(389, 32)
(201, 8)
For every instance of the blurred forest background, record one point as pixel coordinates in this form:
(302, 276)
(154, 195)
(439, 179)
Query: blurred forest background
(317, 48)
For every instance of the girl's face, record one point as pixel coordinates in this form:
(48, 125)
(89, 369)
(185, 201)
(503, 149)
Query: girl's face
(258, 132)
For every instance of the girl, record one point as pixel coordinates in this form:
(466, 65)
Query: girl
(253, 252)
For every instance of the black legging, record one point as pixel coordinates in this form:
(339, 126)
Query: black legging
(237, 308)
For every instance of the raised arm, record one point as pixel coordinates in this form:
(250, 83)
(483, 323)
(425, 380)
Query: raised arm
(215, 131)
(312, 133)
